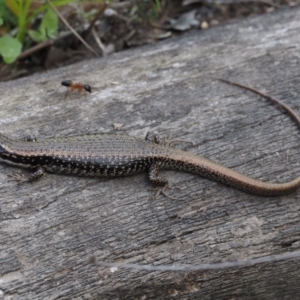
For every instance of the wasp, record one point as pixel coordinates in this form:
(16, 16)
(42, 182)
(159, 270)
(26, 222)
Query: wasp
(76, 86)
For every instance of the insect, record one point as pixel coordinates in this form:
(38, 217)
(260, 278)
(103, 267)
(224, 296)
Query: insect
(76, 86)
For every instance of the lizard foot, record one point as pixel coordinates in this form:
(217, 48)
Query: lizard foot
(18, 177)
(162, 190)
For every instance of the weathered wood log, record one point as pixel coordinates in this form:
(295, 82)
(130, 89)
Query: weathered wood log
(49, 229)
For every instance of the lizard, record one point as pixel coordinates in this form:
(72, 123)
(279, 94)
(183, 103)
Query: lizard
(114, 155)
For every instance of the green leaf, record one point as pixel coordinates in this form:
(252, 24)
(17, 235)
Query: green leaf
(14, 6)
(10, 48)
(49, 24)
(48, 27)
(37, 36)
(23, 19)
(8, 18)
(1, 21)
(57, 3)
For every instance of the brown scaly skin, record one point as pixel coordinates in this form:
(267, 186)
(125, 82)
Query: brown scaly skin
(113, 155)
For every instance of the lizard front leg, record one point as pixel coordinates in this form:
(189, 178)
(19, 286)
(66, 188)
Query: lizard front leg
(20, 177)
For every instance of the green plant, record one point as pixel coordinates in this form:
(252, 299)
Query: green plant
(21, 10)
(24, 13)
(10, 48)
(148, 10)
(157, 8)
(47, 29)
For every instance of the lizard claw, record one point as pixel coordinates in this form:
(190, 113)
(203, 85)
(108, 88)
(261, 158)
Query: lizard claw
(18, 177)
(162, 190)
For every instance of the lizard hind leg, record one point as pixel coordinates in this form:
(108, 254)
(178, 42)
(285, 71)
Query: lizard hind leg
(162, 183)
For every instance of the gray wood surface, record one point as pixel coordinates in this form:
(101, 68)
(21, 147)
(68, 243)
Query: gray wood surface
(49, 229)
